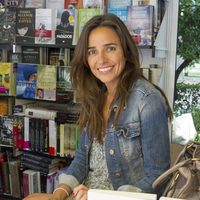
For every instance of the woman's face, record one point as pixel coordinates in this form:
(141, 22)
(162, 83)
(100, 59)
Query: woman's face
(105, 55)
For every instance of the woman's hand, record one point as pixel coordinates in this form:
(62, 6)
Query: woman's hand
(80, 192)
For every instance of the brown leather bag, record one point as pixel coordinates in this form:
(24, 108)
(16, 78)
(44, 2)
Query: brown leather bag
(184, 175)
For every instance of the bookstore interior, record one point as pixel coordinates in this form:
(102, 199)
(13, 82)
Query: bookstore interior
(38, 107)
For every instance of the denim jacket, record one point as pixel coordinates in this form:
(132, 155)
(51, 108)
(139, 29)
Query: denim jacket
(137, 148)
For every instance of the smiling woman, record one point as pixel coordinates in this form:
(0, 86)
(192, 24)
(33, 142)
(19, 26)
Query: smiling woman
(121, 115)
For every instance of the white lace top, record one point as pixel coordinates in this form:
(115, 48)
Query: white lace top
(98, 177)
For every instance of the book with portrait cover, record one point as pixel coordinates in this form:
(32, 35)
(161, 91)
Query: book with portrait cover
(65, 27)
(7, 25)
(140, 24)
(46, 82)
(26, 80)
(25, 26)
(45, 26)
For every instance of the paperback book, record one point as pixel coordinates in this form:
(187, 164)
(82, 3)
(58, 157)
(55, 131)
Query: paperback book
(64, 90)
(7, 25)
(5, 73)
(65, 27)
(25, 26)
(26, 80)
(140, 24)
(84, 15)
(45, 26)
(30, 54)
(46, 82)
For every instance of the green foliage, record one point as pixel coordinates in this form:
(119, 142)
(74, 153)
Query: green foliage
(188, 46)
(188, 100)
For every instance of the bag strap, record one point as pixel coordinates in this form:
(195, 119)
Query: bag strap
(166, 174)
(192, 146)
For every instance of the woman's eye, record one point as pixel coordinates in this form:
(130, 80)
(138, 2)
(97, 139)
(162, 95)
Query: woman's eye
(111, 48)
(91, 52)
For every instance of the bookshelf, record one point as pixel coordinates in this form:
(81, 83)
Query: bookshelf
(30, 129)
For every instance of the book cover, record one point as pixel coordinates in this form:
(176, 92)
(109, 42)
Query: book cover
(64, 90)
(55, 56)
(119, 195)
(5, 76)
(72, 4)
(7, 25)
(65, 27)
(25, 26)
(93, 4)
(122, 13)
(45, 26)
(15, 3)
(58, 4)
(6, 131)
(46, 82)
(35, 3)
(30, 55)
(14, 178)
(4, 106)
(41, 113)
(119, 3)
(140, 24)
(26, 80)
(84, 14)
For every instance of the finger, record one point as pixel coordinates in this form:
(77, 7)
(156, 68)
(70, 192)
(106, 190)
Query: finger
(78, 188)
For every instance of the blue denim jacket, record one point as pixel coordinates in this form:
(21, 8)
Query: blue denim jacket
(137, 148)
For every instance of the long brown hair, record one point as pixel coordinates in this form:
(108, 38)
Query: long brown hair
(88, 88)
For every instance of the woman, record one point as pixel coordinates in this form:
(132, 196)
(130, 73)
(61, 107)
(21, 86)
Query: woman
(123, 119)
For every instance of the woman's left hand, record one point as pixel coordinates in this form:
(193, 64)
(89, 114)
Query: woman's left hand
(80, 192)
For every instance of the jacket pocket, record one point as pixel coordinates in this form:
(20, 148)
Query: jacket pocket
(129, 140)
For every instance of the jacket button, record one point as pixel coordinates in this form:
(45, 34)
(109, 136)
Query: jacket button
(115, 108)
(117, 174)
(126, 133)
(112, 126)
(112, 152)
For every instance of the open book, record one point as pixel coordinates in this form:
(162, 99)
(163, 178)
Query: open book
(118, 195)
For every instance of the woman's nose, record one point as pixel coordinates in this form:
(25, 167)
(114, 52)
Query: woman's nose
(102, 57)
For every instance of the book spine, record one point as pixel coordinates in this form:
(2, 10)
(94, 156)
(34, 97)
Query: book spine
(26, 133)
(52, 138)
(39, 113)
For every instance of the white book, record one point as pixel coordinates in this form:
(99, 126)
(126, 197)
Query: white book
(118, 195)
(42, 113)
(169, 198)
(52, 137)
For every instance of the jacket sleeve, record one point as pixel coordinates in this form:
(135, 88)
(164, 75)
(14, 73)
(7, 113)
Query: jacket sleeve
(154, 139)
(79, 165)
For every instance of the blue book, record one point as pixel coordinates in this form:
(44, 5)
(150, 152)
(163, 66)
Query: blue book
(119, 3)
(122, 13)
(26, 80)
